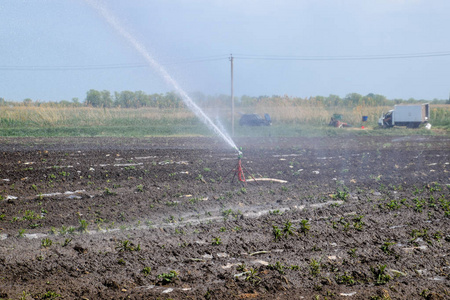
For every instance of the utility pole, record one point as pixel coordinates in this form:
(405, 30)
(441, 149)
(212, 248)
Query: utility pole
(232, 98)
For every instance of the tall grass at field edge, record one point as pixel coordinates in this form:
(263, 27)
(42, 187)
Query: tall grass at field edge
(287, 121)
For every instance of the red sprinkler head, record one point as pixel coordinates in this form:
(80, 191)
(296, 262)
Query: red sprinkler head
(239, 169)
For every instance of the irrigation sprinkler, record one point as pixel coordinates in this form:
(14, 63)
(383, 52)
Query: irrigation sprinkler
(239, 170)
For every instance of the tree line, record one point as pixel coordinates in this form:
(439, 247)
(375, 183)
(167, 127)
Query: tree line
(137, 99)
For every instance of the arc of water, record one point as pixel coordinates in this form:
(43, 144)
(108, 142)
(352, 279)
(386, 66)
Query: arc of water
(112, 21)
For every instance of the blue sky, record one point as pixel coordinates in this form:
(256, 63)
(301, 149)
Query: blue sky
(59, 49)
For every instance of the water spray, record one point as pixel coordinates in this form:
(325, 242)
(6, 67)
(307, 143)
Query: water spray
(113, 22)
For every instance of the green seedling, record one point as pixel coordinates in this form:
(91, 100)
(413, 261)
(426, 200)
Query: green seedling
(31, 215)
(140, 188)
(358, 223)
(241, 267)
(277, 267)
(46, 242)
(67, 242)
(345, 279)
(50, 295)
(168, 277)
(108, 192)
(24, 296)
(415, 234)
(341, 194)
(83, 225)
(227, 213)
(216, 241)
(314, 267)
(127, 246)
(437, 236)
(179, 231)
(352, 252)
(385, 247)
(380, 275)
(21, 233)
(252, 276)
(146, 271)
(304, 226)
(276, 232)
(287, 230)
(393, 205)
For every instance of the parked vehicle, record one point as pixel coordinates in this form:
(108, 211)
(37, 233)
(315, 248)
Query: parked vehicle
(255, 120)
(406, 115)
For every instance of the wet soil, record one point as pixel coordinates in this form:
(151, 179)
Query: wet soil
(167, 218)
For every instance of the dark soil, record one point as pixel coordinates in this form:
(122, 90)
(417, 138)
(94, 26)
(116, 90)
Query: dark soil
(161, 218)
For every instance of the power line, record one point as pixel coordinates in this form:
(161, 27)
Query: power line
(226, 57)
(108, 66)
(354, 57)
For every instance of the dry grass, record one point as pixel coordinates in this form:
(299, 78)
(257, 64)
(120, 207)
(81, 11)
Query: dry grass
(86, 116)
(25, 116)
(321, 115)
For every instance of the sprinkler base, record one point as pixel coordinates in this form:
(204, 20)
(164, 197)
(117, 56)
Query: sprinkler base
(239, 171)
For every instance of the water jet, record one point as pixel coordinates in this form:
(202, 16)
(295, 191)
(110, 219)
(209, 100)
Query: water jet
(112, 21)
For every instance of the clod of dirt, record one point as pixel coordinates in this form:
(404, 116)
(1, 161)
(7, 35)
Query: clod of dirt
(80, 249)
(111, 284)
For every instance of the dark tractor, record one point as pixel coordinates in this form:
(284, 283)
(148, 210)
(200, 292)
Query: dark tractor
(255, 120)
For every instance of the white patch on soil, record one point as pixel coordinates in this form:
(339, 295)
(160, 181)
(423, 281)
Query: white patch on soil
(229, 266)
(127, 165)
(267, 179)
(261, 262)
(58, 193)
(34, 235)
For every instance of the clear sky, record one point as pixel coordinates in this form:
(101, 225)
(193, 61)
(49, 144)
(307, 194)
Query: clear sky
(55, 50)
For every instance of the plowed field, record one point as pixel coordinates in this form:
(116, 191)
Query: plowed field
(167, 218)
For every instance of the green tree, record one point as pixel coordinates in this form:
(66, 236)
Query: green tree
(93, 98)
(125, 99)
(141, 99)
(76, 102)
(353, 99)
(105, 99)
(28, 102)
